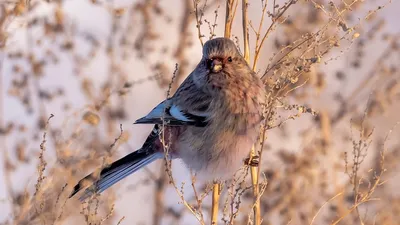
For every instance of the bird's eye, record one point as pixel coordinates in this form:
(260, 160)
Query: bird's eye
(208, 62)
(230, 59)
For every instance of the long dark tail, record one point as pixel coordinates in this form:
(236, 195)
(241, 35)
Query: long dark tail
(119, 169)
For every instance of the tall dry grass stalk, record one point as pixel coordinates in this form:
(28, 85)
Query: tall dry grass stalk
(337, 176)
(254, 169)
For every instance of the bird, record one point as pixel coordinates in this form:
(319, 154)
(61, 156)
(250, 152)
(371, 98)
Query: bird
(210, 122)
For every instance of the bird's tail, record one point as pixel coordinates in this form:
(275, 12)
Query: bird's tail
(118, 170)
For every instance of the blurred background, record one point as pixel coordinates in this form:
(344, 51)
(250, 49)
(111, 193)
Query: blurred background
(331, 153)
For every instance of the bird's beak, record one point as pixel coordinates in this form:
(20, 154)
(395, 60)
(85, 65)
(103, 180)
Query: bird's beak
(216, 66)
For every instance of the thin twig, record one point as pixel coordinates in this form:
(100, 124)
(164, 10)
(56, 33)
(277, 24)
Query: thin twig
(325, 203)
(270, 28)
(198, 19)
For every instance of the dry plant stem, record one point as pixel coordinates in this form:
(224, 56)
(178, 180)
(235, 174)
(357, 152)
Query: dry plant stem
(260, 191)
(254, 169)
(319, 210)
(198, 216)
(168, 164)
(198, 20)
(270, 28)
(256, 192)
(215, 203)
(351, 210)
(38, 194)
(246, 50)
(258, 32)
(230, 14)
(367, 196)
(216, 187)
(197, 197)
(180, 56)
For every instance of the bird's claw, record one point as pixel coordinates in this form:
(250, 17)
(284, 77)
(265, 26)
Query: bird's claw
(252, 161)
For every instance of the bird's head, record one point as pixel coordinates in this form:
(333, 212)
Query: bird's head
(221, 54)
(220, 65)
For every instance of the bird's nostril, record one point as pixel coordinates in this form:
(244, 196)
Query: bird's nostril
(216, 62)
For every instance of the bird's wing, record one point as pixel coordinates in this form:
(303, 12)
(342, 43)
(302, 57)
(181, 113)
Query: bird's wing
(189, 106)
(173, 115)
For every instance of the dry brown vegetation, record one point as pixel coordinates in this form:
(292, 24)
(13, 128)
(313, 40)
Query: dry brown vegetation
(328, 152)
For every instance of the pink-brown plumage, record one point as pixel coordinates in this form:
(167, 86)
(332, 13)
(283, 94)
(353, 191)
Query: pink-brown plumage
(213, 119)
